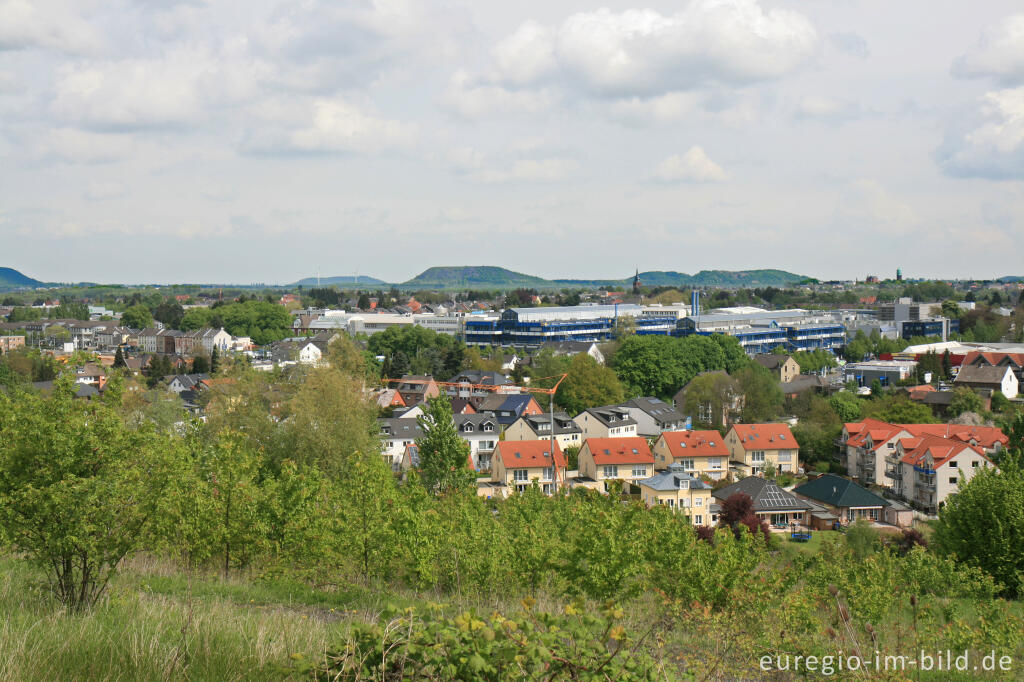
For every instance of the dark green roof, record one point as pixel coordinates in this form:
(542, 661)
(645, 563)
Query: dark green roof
(837, 491)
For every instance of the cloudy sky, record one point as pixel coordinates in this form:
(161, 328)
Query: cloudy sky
(264, 140)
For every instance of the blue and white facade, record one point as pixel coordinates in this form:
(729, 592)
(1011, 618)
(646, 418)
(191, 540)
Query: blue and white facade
(760, 331)
(534, 326)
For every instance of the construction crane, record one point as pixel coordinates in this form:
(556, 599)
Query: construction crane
(505, 388)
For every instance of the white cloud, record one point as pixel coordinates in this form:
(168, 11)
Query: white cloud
(999, 53)
(644, 53)
(472, 100)
(338, 126)
(693, 166)
(827, 108)
(994, 147)
(80, 146)
(101, 191)
(526, 163)
(665, 108)
(46, 24)
(866, 206)
(178, 88)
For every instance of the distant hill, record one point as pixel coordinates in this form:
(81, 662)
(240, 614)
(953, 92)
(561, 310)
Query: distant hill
(340, 280)
(474, 277)
(704, 278)
(1010, 279)
(11, 279)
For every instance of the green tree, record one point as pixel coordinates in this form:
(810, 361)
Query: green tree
(200, 364)
(862, 539)
(847, 406)
(965, 400)
(119, 359)
(444, 456)
(214, 361)
(710, 397)
(762, 395)
(77, 487)
(983, 525)
(137, 317)
(588, 384)
(897, 409)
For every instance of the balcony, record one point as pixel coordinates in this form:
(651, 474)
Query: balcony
(895, 473)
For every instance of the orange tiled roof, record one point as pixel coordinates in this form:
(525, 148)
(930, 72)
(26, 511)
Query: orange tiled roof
(633, 450)
(695, 444)
(765, 436)
(520, 454)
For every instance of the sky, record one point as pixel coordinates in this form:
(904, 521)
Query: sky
(265, 141)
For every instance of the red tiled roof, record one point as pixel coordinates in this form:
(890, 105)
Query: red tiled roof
(695, 444)
(521, 454)
(765, 436)
(881, 432)
(633, 450)
(941, 449)
(994, 358)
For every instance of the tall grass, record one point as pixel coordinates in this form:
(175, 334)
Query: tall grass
(137, 634)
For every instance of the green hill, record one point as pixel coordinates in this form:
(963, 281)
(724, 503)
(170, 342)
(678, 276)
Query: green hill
(12, 279)
(340, 280)
(474, 277)
(704, 278)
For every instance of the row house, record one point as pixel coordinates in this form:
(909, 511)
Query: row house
(680, 492)
(697, 453)
(870, 446)
(752, 447)
(929, 469)
(396, 436)
(610, 421)
(616, 459)
(539, 426)
(654, 416)
(519, 464)
(510, 407)
(481, 432)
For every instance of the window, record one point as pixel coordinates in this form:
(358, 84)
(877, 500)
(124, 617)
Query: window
(715, 463)
(684, 502)
(953, 465)
(698, 502)
(611, 471)
(671, 503)
(974, 464)
(547, 474)
(520, 475)
(757, 456)
(688, 464)
(952, 480)
(639, 471)
(698, 520)
(784, 455)
(547, 488)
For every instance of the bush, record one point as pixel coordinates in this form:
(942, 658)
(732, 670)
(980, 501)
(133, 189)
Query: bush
(530, 645)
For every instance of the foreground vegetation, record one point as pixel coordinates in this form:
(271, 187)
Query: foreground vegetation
(272, 540)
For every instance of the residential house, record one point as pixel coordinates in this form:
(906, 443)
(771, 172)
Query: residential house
(783, 367)
(476, 385)
(626, 459)
(574, 348)
(188, 382)
(9, 343)
(843, 498)
(680, 492)
(91, 374)
(538, 427)
(870, 446)
(462, 406)
(770, 502)
(753, 447)
(112, 337)
(653, 416)
(698, 453)
(416, 388)
(390, 397)
(481, 431)
(991, 377)
(1014, 361)
(803, 383)
(931, 469)
(507, 408)
(518, 463)
(209, 339)
(610, 421)
(396, 434)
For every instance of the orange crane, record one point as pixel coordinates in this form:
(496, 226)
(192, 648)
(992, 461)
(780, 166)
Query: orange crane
(550, 392)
